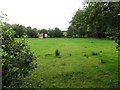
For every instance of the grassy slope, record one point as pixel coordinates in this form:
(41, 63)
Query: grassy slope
(80, 69)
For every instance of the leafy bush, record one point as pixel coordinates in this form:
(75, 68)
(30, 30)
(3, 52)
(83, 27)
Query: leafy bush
(57, 52)
(95, 53)
(17, 59)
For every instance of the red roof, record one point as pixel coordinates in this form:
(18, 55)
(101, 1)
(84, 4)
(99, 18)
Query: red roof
(41, 35)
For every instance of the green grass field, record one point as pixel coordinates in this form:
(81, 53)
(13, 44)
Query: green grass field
(83, 63)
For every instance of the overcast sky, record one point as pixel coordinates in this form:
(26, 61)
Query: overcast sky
(41, 13)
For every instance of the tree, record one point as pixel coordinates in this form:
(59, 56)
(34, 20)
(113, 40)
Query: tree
(44, 31)
(55, 33)
(70, 32)
(78, 24)
(32, 33)
(19, 30)
(64, 33)
(103, 17)
(51, 32)
(98, 19)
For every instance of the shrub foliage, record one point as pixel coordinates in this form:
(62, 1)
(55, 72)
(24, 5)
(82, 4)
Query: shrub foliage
(57, 52)
(17, 59)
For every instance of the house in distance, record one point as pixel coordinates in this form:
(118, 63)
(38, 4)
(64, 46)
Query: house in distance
(42, 35)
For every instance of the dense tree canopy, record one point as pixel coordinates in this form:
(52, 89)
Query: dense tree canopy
(44, 31)
(97, 19)
(19, 30)
(56, 32)
(32, 33)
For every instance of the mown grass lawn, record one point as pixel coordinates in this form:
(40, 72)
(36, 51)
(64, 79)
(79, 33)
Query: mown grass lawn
(83, 63)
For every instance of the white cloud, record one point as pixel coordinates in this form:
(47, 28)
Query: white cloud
(41, 13)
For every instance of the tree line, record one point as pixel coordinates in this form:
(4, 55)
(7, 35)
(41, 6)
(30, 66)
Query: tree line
(21, 30)
(97, 19)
